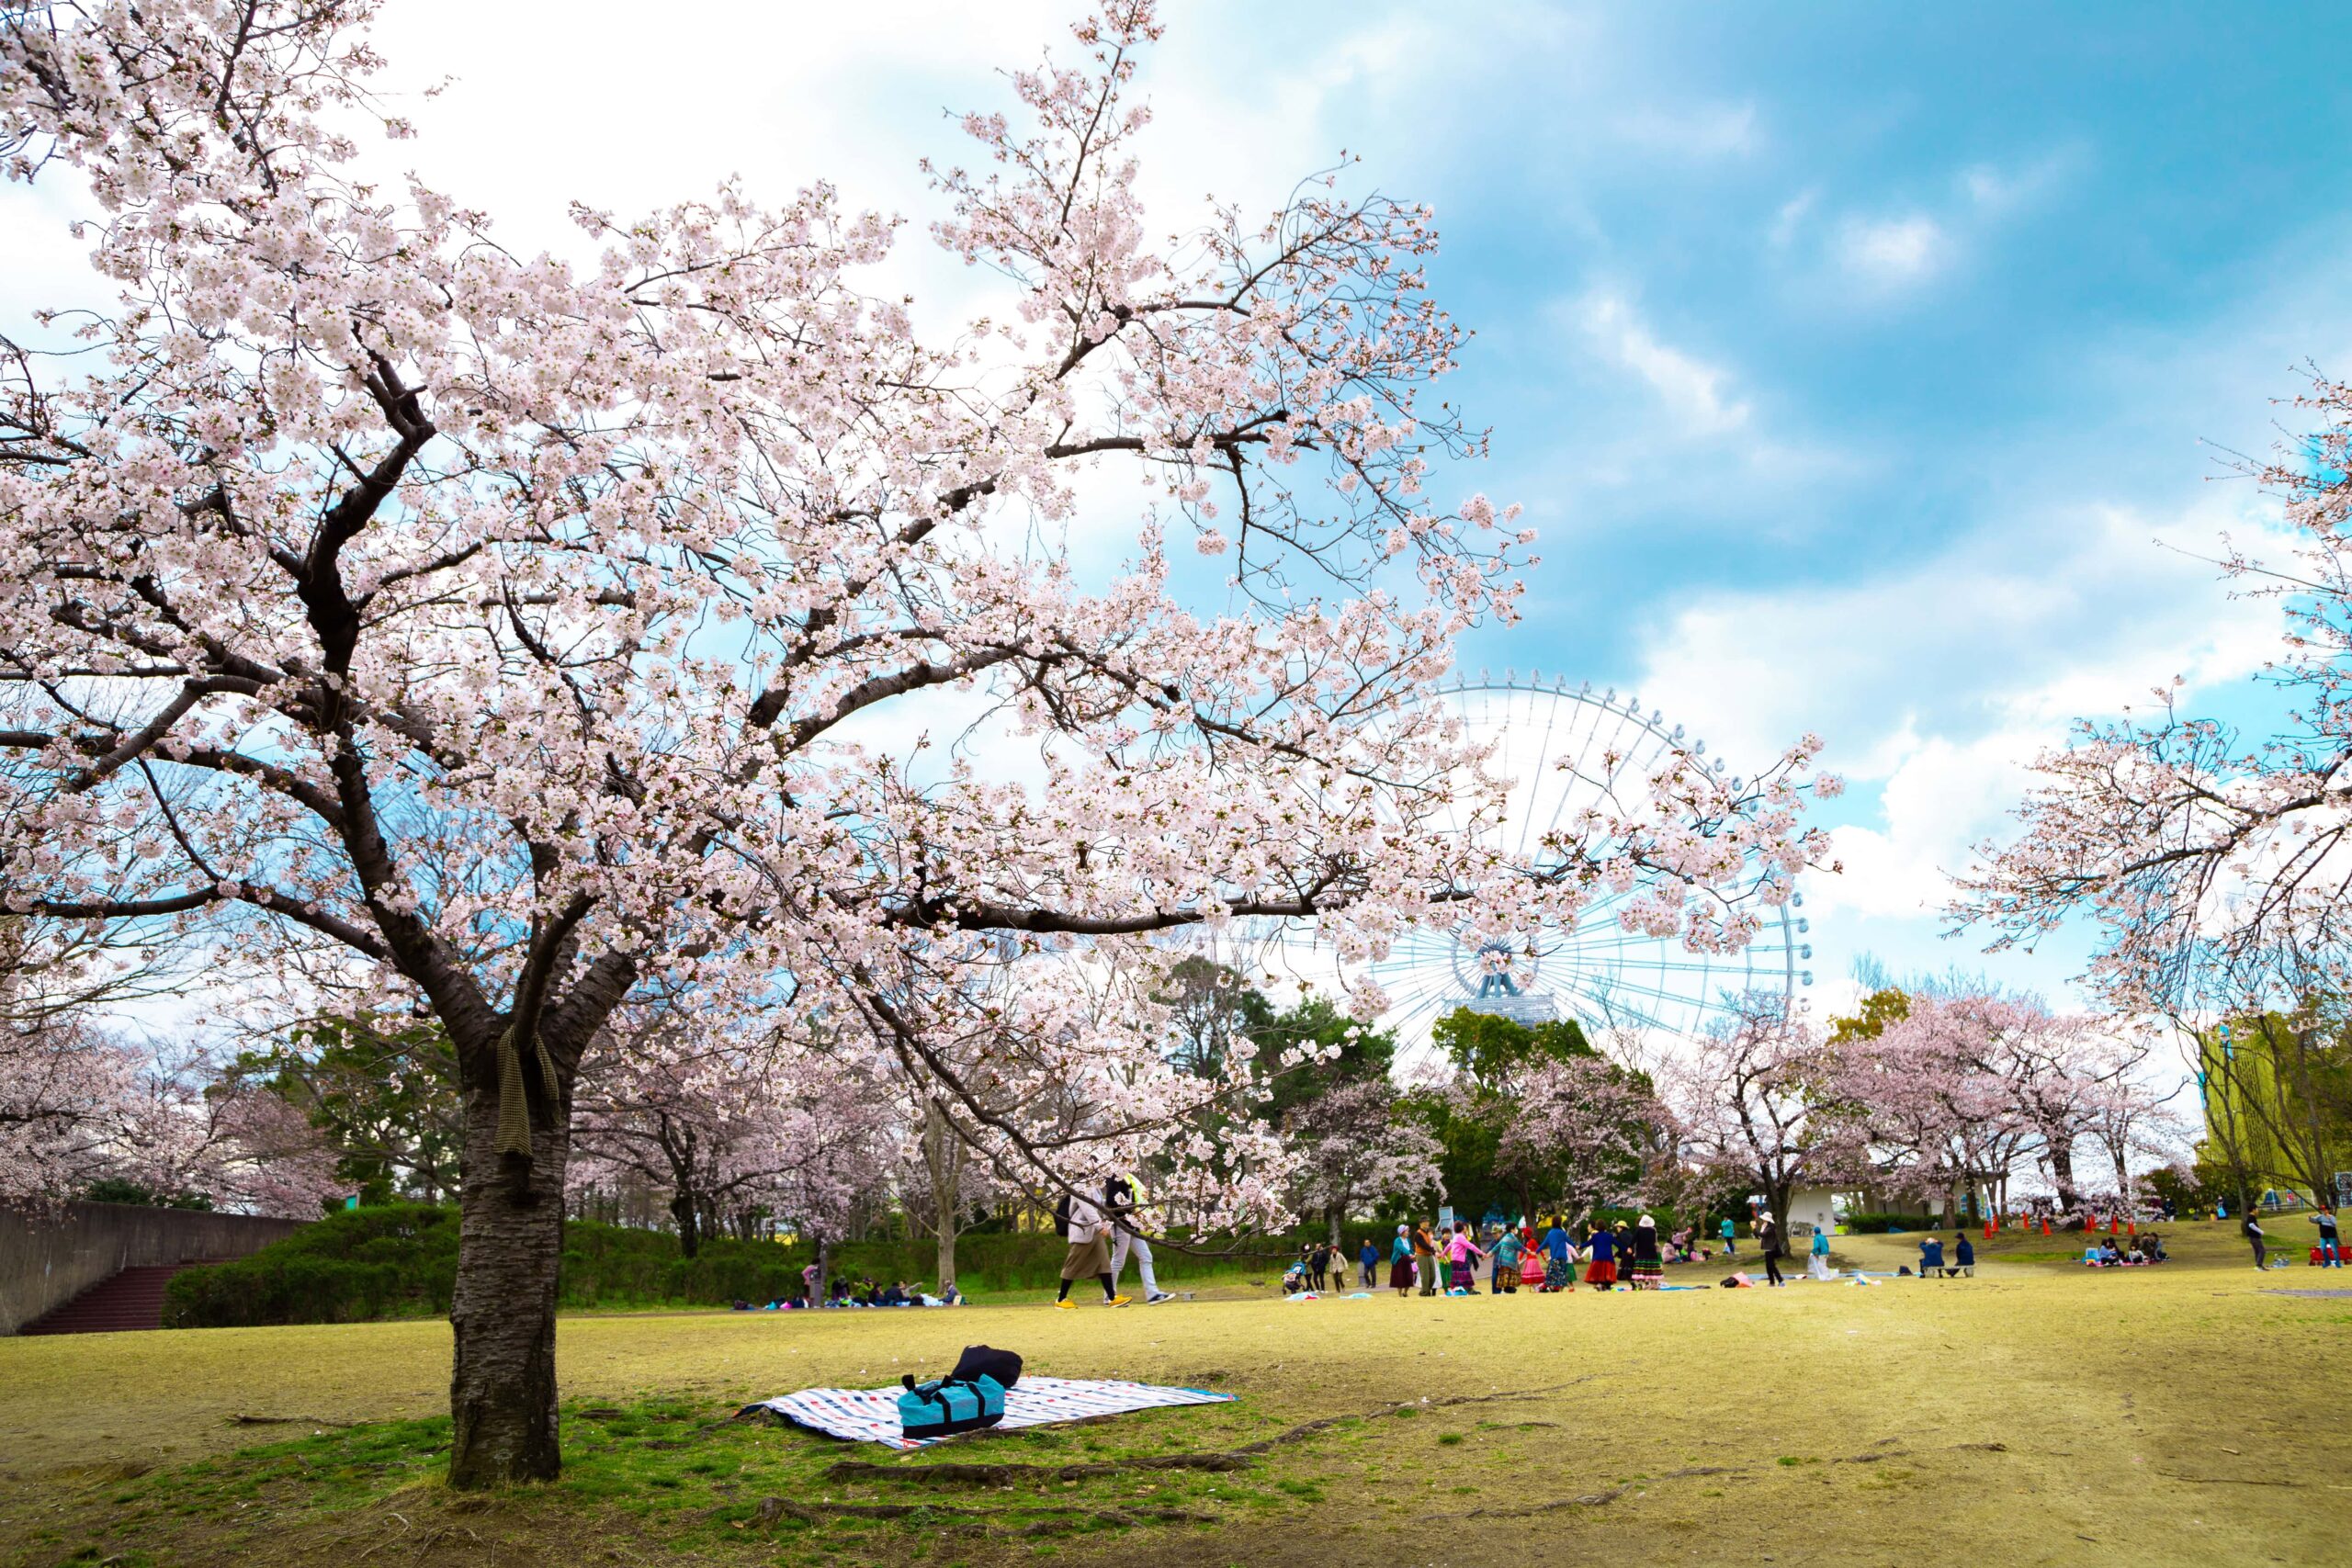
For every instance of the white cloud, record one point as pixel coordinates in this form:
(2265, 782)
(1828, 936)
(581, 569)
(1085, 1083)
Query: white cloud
(2078, 611)
(1697, 130)
(1792, 217)
(1893, 252)
(1695, 391)
(1940, 682)
(1997, 191)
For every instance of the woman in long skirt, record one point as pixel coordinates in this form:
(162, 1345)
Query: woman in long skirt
(1400, 1261)
(1600, 1271)
(1649, 1272)
(1089, 1255)
(1465, 1256)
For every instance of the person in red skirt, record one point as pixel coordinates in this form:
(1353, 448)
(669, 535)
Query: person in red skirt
(1600, 1270)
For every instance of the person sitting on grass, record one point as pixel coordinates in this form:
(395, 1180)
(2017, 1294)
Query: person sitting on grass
(1931, 1258)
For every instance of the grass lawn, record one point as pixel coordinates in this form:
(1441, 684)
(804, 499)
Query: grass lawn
(2040, 1413)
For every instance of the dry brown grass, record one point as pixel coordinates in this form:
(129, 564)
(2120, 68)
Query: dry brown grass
(2037, 1413)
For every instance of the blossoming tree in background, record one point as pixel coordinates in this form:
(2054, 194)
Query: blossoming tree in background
(1581, 1134)
(1353, 1150)
(510, 634)
(2216, 865)
(1756, 1102)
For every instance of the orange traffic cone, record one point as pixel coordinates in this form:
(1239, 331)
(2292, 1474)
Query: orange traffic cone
(2131, 1228)
(2110, 1225)
(1991, 1224)
(2045, 1227)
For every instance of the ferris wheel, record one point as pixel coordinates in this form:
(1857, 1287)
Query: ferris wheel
(1564, 749)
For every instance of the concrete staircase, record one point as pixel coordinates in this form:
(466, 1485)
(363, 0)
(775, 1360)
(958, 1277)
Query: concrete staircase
(133, 1299)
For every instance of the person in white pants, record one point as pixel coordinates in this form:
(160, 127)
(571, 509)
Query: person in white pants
(1119, 1200)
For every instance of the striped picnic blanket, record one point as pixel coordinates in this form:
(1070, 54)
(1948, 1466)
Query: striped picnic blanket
(871, 1414)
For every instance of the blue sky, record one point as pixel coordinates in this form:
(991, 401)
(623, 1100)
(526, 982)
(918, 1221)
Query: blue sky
(1853, 360)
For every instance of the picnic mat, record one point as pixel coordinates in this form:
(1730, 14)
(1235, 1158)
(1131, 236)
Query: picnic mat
(871, 1414)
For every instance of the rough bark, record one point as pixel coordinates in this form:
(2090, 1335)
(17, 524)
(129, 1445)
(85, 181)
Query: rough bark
(510, 1241)
(943, 1158)
(2062, 1169)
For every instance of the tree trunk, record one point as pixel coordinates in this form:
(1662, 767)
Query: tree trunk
(2061, 1172)
(943, 1158)
(824, 1271)
(1336, 1213)
(510, 1241)
(682, 1209)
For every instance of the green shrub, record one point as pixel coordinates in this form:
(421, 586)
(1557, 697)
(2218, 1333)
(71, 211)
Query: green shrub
(401, 1260)
(1878, 1223)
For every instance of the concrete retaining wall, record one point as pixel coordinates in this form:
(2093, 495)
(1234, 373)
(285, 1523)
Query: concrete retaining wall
(48, 1257)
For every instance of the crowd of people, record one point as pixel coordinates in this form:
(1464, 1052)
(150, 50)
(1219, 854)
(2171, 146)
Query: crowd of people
(2133, 1251)
(862, 1291)
(1451, 1258)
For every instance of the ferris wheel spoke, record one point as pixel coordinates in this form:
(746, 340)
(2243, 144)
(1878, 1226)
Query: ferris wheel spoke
(1548, 743)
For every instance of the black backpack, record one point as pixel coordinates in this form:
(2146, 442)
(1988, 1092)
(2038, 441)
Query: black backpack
(1003, 1365)
(1061, 1217)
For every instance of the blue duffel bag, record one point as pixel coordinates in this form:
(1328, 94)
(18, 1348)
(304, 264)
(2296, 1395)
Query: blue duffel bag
(945, 1406)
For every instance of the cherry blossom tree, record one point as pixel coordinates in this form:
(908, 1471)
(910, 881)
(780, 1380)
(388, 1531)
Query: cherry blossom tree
(1940, 1118)
(710, 1124)
(1583, 1132)
(511, 634)
(1756, 1101)
(2210, 861)
(1353, 1149)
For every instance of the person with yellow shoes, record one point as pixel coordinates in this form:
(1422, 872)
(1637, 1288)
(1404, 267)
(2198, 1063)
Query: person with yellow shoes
(1089, 1250)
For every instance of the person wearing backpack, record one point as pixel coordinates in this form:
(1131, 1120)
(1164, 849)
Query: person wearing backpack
(1090, 1253)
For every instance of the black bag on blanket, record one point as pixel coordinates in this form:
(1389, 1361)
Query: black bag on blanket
(979, 1360)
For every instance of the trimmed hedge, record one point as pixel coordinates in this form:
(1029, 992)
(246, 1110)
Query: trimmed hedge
(401, 1260)
(1880, 1222)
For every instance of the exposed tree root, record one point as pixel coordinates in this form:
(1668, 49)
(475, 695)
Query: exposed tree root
(243, 1420)
(1056, 1519)
(1592, 1499)
(1037, 1474)
(1598, 1499)
(1306, 1429)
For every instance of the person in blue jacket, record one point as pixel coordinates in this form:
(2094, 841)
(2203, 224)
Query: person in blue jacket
(1963, 1252)
(1368, 1262)
(1931, 1256)
(1600, 1270)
